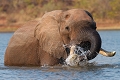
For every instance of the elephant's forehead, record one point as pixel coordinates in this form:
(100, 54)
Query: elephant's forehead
(79, 14)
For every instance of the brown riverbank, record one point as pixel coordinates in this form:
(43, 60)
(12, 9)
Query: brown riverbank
(9, 28)
(108, 26)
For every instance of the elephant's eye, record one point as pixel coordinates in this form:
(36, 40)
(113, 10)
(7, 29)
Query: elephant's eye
(67, 28)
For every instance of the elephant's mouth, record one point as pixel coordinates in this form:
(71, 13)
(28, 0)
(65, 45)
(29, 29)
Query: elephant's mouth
(85, 45)
(82, 50)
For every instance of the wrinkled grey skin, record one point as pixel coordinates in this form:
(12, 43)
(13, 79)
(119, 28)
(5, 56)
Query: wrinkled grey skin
(40, 42)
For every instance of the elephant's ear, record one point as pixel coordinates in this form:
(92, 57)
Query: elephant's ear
(47, 32)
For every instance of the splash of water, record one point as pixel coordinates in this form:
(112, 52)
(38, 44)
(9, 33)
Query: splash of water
(81, 52)
(78, 56)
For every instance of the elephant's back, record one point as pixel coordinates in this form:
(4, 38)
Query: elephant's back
(25, 32)
(22, 47)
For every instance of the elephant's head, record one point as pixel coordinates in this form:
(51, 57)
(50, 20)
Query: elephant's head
(78, 28)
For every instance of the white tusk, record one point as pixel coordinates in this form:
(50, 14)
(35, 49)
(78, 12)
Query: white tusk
(72, 50)
(107, 53)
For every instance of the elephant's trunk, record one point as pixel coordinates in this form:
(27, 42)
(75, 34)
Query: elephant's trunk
(92, 42)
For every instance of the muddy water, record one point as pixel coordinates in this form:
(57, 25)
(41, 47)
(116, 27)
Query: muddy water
(100, 68)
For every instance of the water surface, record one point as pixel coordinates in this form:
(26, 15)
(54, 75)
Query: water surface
(101, 68)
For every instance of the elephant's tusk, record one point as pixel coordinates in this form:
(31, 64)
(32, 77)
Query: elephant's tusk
(107, 53)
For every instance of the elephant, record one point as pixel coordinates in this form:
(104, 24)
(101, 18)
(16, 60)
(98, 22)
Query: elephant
(43, 41)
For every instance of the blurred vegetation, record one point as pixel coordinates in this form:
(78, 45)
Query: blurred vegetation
(101, 9)
(21, 11)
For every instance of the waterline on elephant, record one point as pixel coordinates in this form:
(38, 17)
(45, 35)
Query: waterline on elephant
(77, 56)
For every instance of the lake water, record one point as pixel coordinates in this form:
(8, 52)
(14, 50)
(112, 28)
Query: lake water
(104, 68)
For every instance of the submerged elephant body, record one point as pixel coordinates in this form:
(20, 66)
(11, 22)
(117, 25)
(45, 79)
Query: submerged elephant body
(40, 42)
